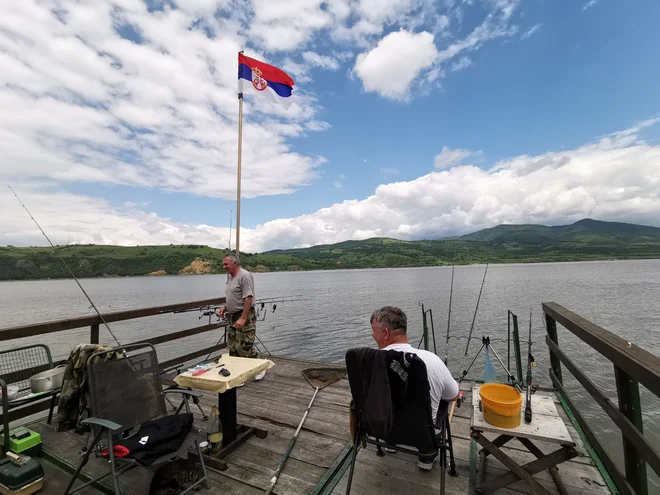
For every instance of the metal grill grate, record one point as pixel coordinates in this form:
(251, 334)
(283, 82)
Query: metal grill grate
(18, 365)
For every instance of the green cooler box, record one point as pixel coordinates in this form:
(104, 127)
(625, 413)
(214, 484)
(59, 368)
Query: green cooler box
(20, 475)
(24, 442)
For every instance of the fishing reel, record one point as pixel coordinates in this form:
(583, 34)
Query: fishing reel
(461, 398)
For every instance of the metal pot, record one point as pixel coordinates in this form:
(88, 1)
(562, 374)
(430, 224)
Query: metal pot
(47, 381)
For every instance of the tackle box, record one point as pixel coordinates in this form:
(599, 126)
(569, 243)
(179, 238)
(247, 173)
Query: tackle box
(20, 475)
(24, 442)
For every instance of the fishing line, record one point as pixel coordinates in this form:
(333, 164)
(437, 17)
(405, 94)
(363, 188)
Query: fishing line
(67, 267)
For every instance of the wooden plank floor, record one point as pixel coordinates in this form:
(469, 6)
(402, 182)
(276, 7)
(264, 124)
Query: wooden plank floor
(278, 402)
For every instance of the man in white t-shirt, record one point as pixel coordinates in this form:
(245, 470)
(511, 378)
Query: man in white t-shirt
(389, 330)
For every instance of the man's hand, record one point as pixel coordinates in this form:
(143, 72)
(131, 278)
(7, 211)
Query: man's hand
(222, 310)
(240, 323)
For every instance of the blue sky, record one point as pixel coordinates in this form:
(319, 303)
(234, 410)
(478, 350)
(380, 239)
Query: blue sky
(382, 88)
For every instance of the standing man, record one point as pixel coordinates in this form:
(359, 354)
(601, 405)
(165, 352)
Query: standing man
(389, 326)
(240, 312)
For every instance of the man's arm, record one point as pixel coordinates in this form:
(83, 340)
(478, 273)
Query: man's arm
(247, 304)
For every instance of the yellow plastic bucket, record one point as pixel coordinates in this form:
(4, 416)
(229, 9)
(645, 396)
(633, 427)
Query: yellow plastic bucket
(501, 404)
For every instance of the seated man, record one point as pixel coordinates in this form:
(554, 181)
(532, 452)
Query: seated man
(389, 327)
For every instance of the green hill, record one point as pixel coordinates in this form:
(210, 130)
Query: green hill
(586, 230)
(583, 240)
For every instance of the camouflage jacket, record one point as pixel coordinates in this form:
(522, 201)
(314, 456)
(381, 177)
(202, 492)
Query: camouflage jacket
(74, 398)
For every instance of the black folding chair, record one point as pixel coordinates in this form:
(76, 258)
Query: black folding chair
(125, 394)
(413, 430)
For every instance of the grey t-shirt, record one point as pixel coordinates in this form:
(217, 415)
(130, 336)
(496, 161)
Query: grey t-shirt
(238, 288)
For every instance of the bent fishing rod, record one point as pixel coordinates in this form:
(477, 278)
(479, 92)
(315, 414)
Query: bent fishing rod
(67, 268)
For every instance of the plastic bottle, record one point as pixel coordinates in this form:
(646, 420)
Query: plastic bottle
(490, 374)
(215, 431)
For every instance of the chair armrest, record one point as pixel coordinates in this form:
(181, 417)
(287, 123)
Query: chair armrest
(104, 423)
(183, 391)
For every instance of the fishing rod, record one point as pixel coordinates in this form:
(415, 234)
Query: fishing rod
(474, 317)
(530, 384)
(67, 267)
(451, 292)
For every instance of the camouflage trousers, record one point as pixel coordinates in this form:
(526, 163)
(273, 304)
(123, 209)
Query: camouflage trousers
(241, 342)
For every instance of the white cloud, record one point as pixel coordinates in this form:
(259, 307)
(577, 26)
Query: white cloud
(300, 71)
(80, 103)
(530, 31)
(390, 170)
(338, 184)
(463, 63)
(448, 157)
(589, 4)
(615, 178)
(282, 25)
(323, 61)
(390, 67)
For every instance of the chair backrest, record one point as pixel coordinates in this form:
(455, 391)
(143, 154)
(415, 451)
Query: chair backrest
(126, 389)
(19, 364)
(409, 395)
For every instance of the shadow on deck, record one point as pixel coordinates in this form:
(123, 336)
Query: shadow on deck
(277, 403)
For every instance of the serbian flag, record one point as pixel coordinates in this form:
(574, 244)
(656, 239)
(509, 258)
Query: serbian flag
(266, 79)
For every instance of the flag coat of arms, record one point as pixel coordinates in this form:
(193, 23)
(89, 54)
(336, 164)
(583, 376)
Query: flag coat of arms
(260, 78)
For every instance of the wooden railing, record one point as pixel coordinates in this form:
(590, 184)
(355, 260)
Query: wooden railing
(632, 366)
(94, 323)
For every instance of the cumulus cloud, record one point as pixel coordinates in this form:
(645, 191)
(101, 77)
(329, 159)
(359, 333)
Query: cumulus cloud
(448, 157)
(390, 67)
(121, 95)
(616, 178)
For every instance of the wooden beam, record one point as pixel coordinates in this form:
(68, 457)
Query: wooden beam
(168, 337)
(619, 479)
(629, 430)
(88, 321)
(631, 406)
(551, 328)
(641, 365)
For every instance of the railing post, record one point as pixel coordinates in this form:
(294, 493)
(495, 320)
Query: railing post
(426, 330)
(551, 326)
(516, 348)
(94, 334)
(630, 404)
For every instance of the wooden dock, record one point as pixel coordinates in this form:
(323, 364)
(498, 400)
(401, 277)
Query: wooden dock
(277, 403)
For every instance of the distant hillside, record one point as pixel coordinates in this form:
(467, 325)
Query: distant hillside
(583, 240)
(587, 230)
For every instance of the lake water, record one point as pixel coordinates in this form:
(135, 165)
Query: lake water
(331, 312)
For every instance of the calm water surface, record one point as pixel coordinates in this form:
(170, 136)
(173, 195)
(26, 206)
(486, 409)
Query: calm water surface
(333, 314)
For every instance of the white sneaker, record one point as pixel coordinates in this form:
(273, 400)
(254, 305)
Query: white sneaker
(427, 465)
(260, 375)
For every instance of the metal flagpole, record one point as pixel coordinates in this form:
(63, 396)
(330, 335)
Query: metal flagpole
(238, 178)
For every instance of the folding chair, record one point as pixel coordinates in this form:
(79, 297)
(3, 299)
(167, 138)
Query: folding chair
(127, 401)
(413, 430)
(17, 365)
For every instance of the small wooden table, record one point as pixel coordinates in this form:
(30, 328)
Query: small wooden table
(240, 371)
(546, 426)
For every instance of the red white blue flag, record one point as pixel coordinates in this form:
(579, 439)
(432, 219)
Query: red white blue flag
(265, 79)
